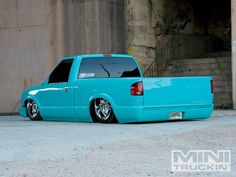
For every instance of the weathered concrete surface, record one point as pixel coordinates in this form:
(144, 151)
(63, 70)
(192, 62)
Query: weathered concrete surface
(94, 26)
(141, 40)
(26, 47)
(80, 149)
(35, 34)
(233, 23)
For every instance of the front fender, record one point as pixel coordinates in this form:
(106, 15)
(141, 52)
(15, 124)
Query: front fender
(26, 96)
(34, 98)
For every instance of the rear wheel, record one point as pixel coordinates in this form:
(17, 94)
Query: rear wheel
(33, 110)
(103, 111)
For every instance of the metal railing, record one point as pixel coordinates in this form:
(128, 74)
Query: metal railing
(163, 56)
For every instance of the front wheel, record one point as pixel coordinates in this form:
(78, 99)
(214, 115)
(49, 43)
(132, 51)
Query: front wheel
(103, 111)
(33, 110)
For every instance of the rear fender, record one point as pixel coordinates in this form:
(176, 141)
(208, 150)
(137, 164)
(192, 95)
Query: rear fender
(106, 97)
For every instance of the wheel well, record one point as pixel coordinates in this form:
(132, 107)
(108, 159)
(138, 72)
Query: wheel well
(26, 101)
(25, 104)
(91, 110)
(92, 113)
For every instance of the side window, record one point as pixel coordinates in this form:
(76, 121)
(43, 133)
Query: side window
(61, 72)
(110, 67)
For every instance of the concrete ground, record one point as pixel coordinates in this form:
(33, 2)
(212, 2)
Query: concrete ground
(36, 149)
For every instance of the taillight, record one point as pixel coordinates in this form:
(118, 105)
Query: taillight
(137, 89)
(212, 87)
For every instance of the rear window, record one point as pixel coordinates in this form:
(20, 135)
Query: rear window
(108, 68)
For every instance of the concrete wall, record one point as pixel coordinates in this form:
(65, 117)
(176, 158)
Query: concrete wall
(35, 34)
(93, 26)
(26, 47)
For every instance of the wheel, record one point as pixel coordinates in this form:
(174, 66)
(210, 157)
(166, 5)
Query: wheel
(33, 110)
(103, 111)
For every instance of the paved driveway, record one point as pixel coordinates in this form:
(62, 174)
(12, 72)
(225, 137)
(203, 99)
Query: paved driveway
(57, 149)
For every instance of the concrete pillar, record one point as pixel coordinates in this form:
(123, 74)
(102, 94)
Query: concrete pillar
(140, 31)
(233, 23)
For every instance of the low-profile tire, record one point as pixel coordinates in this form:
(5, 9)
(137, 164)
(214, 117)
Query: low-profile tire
(102, 111)
(33, 110)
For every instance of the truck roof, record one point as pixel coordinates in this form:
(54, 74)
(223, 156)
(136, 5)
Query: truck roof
(98, 55)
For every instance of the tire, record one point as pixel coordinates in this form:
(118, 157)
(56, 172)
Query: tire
(33, 111)
(102, 111)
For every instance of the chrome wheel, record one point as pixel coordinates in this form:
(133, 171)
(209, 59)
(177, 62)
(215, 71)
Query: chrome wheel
(102, 109)
(32, 109)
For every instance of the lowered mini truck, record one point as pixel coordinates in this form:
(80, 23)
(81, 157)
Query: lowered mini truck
(111, 88)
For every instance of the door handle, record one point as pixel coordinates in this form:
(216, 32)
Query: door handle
(65, 89)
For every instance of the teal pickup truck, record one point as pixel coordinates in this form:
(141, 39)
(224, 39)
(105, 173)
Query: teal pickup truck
(111, 88)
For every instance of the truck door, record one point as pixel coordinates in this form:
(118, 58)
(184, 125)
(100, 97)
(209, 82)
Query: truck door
(56, 99)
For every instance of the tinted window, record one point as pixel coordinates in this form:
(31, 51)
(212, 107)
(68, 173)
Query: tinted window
(61, 72)
(108, 67)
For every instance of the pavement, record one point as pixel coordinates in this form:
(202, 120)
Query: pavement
(59, 149)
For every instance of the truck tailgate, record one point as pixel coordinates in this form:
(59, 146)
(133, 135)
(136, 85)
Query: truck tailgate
(170, 92)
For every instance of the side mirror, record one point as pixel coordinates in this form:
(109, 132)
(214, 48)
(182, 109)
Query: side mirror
(45, 82)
